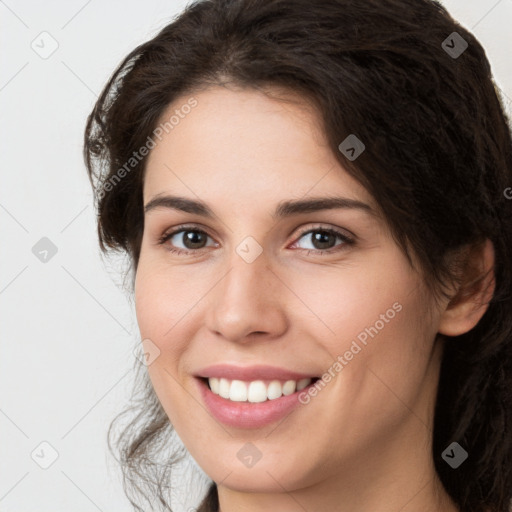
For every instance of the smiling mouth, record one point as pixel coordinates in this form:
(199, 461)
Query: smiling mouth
(255, 391)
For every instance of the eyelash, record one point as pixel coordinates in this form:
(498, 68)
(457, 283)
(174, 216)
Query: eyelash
(347, 241)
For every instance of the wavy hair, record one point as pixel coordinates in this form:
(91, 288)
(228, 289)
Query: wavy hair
(438, 161)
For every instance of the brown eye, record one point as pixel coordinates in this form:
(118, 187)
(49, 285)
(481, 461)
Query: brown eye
(324, 240)
(191, 239)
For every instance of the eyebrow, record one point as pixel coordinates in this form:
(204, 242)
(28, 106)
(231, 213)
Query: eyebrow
(283, 209)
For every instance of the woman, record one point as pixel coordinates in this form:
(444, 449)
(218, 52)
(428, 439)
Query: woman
(313, 199)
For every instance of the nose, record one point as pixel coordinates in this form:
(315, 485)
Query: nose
(249, 302)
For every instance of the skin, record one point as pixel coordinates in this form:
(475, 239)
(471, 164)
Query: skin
(364, 442)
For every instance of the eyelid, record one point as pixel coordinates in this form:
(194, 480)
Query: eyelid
(319, 227)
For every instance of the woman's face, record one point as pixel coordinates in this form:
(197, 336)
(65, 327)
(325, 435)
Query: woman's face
(272, 293)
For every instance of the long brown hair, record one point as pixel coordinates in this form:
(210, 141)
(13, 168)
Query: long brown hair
(437, 159)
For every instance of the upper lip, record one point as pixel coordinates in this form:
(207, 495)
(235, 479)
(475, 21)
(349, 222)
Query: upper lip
(251, 373)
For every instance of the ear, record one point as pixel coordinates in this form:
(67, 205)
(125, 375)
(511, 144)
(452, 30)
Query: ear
(472, 299)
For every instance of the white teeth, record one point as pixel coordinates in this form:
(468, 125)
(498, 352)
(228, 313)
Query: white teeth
(214, 384)
(275, 390)
(238, 391)
(255, 391)
(289, 387)
(302, 383)
(224, 386)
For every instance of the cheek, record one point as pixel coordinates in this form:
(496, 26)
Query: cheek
(376, 320)
(346, 300)
(168, 309)
(164, 298)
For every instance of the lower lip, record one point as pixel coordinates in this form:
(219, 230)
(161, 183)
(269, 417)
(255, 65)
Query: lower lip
(247, 414)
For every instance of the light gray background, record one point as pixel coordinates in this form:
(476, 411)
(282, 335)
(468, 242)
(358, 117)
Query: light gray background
(68, 328)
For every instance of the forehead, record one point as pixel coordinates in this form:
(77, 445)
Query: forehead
(245, 147)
